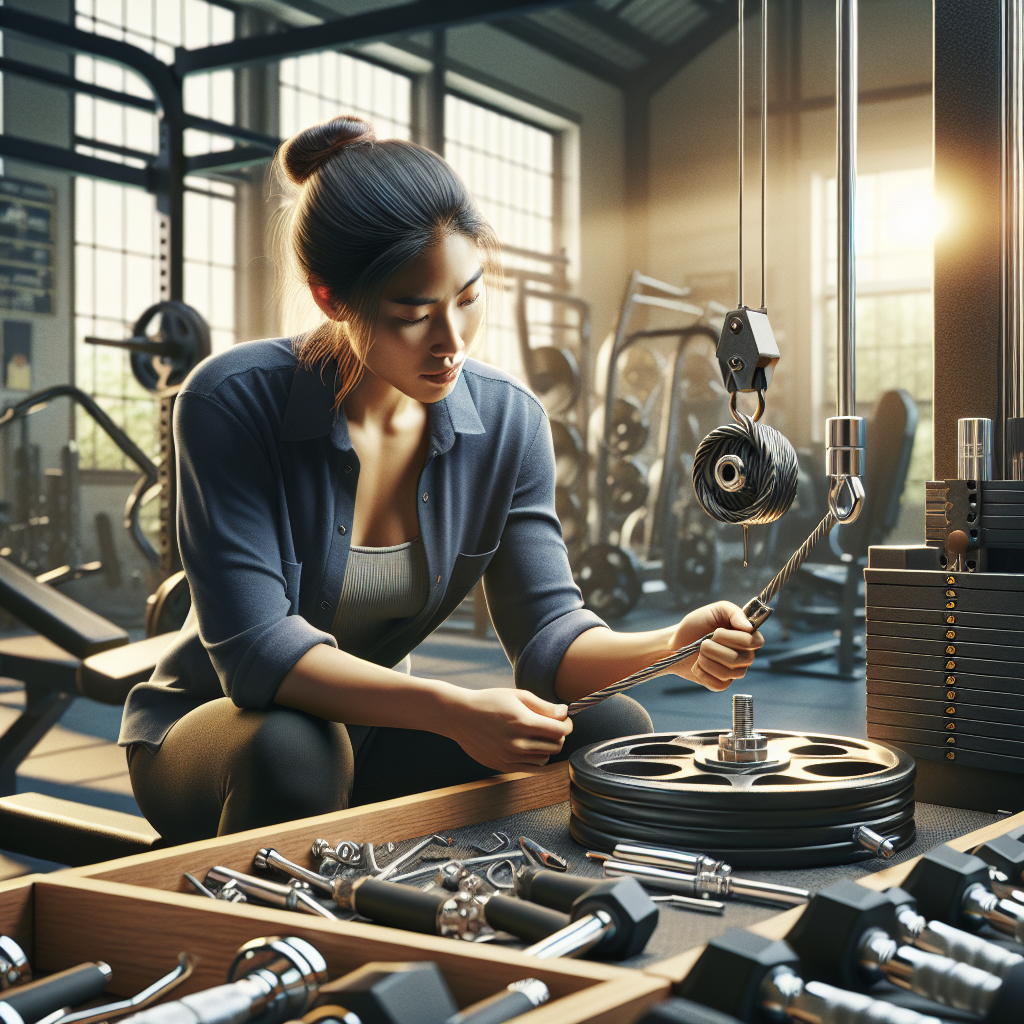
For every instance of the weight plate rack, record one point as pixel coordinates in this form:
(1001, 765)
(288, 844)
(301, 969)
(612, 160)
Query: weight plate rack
(945, 659)
(797, 809)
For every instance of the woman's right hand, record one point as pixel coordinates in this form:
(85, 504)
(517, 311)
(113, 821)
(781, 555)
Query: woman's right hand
(507, 729)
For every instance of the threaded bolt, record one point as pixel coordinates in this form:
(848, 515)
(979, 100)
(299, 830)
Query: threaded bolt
(742, 715)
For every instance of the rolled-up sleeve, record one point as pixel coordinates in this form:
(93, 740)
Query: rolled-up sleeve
(229, 530)
(536, 608)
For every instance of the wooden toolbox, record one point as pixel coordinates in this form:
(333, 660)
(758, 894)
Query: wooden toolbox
(138, 913)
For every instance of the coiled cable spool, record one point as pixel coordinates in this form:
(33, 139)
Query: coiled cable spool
(745, 472)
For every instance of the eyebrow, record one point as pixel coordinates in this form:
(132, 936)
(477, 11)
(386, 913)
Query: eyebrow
(419, 300)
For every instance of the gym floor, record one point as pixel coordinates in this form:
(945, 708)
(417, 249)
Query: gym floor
(79, 758)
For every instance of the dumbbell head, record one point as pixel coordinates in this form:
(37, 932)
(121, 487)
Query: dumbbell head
(394, 993)
(830, 930)
(730, 971)
(298, 965)
(634, 913)
(940, 879)
(1006, 855)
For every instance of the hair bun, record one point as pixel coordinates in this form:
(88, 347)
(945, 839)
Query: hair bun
(306, 152)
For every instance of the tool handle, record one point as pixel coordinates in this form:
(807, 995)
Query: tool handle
(72, 987)
(397, 905)
(552, 888)
(525, 920)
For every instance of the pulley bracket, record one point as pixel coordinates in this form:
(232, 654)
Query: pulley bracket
(747, 350)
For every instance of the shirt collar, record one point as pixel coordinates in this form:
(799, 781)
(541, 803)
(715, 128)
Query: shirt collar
(310, 412)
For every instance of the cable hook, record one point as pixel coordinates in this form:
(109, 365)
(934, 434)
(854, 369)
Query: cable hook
(740, 417)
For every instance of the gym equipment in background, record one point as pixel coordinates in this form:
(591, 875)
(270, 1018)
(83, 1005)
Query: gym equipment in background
(760, 799)
(660, 394)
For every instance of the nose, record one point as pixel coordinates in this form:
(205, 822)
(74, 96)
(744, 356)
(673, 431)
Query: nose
(447, 341)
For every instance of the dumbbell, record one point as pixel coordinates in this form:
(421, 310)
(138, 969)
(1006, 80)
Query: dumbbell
(14, 965)
(845, 937)
(685, 1011)
(416, 993)
(271, 979)
(31, 1001)
(1005, 859)
(952, 887)
(754, 979)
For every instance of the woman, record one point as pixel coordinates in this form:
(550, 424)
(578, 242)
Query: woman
(340, 494)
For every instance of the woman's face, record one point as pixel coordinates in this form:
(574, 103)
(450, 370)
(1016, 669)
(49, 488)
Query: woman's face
(429, 316)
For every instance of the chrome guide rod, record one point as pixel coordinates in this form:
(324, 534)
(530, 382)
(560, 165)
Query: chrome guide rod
(845, 431)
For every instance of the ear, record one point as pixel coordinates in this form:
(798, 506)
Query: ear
(323, 297)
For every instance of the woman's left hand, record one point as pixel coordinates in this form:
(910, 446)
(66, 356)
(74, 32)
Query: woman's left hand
(727, 655)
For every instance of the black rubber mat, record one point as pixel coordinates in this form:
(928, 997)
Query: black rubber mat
(679, 930)
(965, 698)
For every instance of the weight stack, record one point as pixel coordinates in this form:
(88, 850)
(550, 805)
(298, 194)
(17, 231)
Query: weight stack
(945, 674)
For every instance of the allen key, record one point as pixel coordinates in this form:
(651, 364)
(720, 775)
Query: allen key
(389, 869)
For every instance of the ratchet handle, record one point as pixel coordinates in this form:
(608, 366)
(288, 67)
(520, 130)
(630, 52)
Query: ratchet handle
(552, 888)
(527, 921)
(397, 905)
(72, 987)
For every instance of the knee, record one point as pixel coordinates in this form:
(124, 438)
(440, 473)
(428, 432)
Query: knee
(294, 761)
(617, 716)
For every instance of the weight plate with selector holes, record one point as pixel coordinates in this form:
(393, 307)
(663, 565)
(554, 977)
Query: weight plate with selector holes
(627, 486)
(947, 633)
(946, 741)
(957, 724)
(608, 580)
(942, 616)
(962, 756)
(993, 699)
(785, 813)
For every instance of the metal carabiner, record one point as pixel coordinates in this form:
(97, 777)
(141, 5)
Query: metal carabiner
(738, 416)
(845, 497)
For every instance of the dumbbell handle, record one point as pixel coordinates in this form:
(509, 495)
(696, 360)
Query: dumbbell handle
(1006, 916)
(678, 860)
(785, 996)
(552, 888)
(576, 938)
(38, 999)
(520, 997)
(938, 978)
(944, 939)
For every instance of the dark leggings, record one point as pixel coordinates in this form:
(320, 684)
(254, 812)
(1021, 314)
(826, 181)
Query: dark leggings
(221, 769)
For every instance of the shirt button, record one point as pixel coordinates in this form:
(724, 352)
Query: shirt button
(424, 495)
(348, 469)
(326, 605)
(341, 529)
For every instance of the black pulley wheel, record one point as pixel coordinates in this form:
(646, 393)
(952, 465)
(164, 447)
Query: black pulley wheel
(627, 486)
(629, 429)
(554, 375)
(184, 337)
(796, 809)
(608, 581)
(569, 453)
(570, 514)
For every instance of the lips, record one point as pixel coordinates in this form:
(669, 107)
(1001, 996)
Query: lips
(444, 377)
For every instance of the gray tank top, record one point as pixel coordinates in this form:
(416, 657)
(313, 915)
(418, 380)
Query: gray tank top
(382, 586)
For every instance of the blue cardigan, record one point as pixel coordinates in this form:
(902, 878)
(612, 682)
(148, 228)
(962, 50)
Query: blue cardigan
(267, 482)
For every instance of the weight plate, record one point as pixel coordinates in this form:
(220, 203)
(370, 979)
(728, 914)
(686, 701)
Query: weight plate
(554, 376)
(824, 771)
(970, 758)
(979, 744)
(569, 454)
(947, 632)
(954, 709)
(627, 486)
(936, 676)
(684, 817)
(571, 515)
(986, 620)
(964, 697)
(699, 559)
(180, 325)
(608, 581)
(629, 427)
(946, 648)
(168, 607)
(704, 839)
(640, 372)
(1006, 669)
(1010, 737)
(952, 599)
(766, 857)
(924, 579)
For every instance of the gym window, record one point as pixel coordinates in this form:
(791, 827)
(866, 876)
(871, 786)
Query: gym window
(512, 168)
(116, 241)
(895, 224)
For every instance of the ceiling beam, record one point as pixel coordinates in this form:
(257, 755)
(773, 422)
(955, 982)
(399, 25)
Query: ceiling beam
(619, 30)
(396, 20)
(564, 49)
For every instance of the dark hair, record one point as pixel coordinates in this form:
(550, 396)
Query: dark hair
(363, 209)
